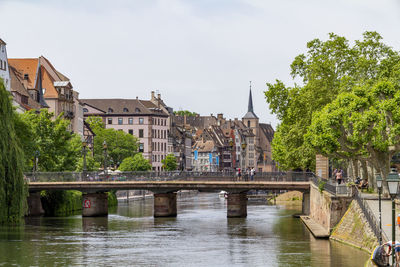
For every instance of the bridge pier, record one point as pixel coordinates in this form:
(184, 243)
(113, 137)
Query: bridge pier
(165, 205)
(35, 207)
(95, 204)
(237, 205)
(305, 205)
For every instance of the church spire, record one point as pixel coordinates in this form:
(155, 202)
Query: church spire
(250, 112)
(250, 108)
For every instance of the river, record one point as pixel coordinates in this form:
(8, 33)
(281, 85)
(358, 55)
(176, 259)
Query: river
(201, 235)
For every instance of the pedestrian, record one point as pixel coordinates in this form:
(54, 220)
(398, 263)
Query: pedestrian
(334, 173)
(239, 174)
(252, 171)
(339, 176)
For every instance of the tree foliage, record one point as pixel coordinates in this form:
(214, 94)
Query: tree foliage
(13, 191)
(136, 163)
(328, 69)
(185, 112)
(48, 139)
(169, 163)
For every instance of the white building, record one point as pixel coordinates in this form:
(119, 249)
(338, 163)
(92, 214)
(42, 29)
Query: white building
(4, 71)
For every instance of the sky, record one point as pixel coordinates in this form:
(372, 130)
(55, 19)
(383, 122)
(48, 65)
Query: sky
(198, 54)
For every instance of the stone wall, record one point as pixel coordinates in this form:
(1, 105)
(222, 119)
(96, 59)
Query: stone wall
(325, 208)
(354, 229)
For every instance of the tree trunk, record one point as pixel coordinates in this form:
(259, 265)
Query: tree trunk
(355, 168)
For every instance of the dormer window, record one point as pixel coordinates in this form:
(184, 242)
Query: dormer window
(110, 110)
(137, 110)
(126, 110)
(26, 76)
(85, 110)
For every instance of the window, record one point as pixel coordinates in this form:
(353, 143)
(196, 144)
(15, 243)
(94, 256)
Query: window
(130, 120)
(251, 163)
(251, 155)
(85, 110)
(140, 133)
(248, 124)
(251, 147)
(141, 147)
(110, 110)
(137, 110)
(125, 110)
(141, 120)
(109, 120)
(251, 141)
(158, 145)
(130, 131)
(120, 121)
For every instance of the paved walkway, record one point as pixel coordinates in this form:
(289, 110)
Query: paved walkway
(386, 216)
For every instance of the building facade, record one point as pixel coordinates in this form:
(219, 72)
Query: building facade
(49, 87)
(4, 69)
(140, 118)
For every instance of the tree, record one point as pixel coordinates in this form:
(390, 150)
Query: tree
(50, 140)
(136, 163)
(363, 124)
(91, 164)
(169, 163)
(13, 191)
(326, 70)
(120, 145)
(185, 112)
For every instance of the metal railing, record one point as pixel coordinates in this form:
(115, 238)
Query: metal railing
(167, 176)
(332, 187)
(369, 215)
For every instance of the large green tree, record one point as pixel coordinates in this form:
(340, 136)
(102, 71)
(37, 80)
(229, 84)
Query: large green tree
(49, 140)
(13, 191)
(363, 124)
(327, 69)
(136, 163)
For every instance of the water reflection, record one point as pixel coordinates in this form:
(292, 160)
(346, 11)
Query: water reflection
(201, 235)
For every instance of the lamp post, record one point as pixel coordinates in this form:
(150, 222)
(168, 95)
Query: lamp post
(379, 184)
(244, 145)
(393, 184)
(84, 169)
(105, 156)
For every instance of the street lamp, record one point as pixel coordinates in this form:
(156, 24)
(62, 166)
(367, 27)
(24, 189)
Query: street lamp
(393, 184)
(243, 154)
(84, 169)
(379, 184)
(105, 156)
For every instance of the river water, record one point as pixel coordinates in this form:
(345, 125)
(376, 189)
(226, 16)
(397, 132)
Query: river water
(201, 235)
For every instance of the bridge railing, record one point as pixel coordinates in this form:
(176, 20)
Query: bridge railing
(167, 176)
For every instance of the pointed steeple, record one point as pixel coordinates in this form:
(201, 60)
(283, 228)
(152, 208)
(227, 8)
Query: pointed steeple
(42, 102)
(250, 112)
(250, 108)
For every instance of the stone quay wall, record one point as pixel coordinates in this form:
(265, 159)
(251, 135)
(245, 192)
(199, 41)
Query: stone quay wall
(354, 229)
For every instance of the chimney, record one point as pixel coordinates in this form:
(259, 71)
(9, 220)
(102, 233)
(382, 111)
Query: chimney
(159, 96)
(137, 97)
(152, 95)
(184, 119)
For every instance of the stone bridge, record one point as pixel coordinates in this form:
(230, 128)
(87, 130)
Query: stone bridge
(164, 185)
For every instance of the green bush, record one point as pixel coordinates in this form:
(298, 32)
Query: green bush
(321, 185)
(112, 199)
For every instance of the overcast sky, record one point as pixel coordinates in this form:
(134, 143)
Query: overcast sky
(199, 54)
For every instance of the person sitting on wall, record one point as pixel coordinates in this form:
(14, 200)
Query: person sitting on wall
(364, 184)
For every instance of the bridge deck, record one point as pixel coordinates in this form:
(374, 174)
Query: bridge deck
(168, 185)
